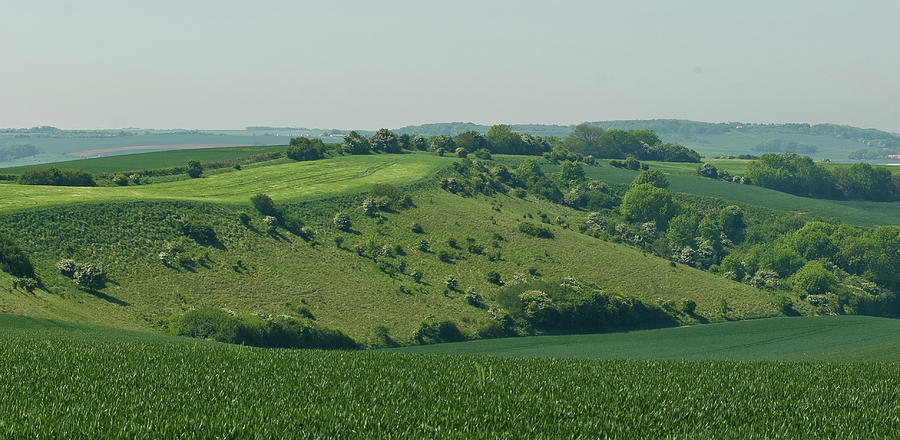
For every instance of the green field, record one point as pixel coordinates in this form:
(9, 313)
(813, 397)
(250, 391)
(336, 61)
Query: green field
(113, 384)
(149, 161)
(683, 178)
(285, 182)
(823, 338)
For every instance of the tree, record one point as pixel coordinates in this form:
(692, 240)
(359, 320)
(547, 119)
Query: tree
(814, 278)
(502, 140)
(355, 143)
(683, 231)
(385, 141)
(90, 276)
(653, 177)
(571, 172)
(585, 139)
(302, 148)
(708, 170)
(418, 142)
(342, 221)
(13, 260)
(194, 169)
(264, 204)
(643, 203)
(731, 220)
(470, 140)
(443, 143)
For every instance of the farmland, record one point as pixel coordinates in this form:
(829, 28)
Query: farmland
(285, 182)
(846, 338)
(124, 385)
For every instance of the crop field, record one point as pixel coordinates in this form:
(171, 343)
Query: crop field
(683, 178)
(846, 338)
(65, 382)
(285, 182)
(149, 161)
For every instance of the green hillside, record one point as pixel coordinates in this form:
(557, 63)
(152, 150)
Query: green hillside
(823, 338)
(112, 384)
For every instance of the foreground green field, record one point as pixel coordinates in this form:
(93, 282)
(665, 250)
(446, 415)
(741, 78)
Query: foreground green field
(285, 182)
(121, 385)
(824, 338)
(683, 178)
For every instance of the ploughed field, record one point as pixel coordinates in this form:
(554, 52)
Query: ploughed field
(68, 381)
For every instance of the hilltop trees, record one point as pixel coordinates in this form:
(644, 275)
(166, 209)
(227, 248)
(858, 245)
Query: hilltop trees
(619, 144)
(645, 202)
(385, 141)
(57, 177)
(355, 143)
(302, 148)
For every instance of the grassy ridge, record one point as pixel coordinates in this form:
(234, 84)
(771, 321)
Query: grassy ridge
(285, 182)
(851, 338)
(119, 386)
(254, 272)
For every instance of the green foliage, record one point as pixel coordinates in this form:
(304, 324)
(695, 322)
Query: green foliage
(535, 230)
(385, 141)
(494, 278)
(202, 233)
(13, 260)
(302, 149)
(57, 177)
(264, 204)
(571, 172)
(435, 332)
(194, 169)
(643, 203)
(653, 177)
(813, 278)
(282, 332)
(355, 143)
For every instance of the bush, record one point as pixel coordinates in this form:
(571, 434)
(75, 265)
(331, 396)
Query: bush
(417, 228)
(342, 221)
(708, 170)
(13, 260)
(451, 283)
(444, 331)
(303, 149)
(445, 256)
(474, 299)
(57, 177)
(90, 276)
(264, 204)
(67, 267)
(201, 233)
(424, 246)
(120, 179)
(194, 169)
(494, 278)
(271, 223)
(535, 230)
(689, 307)
(244, 218)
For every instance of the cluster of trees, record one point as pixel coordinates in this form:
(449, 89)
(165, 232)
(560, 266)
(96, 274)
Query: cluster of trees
(619, 144)
(302, 149)
(570, 305)
(87, 275)
(57, 177)
(799, 175)
(280, 332)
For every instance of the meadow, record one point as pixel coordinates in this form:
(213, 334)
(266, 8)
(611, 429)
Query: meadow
(125, 385)
(813, 338)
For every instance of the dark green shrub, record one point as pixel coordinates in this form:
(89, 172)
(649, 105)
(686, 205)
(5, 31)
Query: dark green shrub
(194, 169)
(689, 307)
(201, 233)
(303, 149)
(417, 228)
(90, 276)
(494, 278)
(57, 177)
(444, 331)
(445, 256)
(244, 219)
(451, 283)
(342, 221)
(13, 260)
(535, 230)
(264, 204)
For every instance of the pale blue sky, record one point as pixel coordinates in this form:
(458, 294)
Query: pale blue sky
(362, 64)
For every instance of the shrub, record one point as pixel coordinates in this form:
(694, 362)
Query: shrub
(452, 243)
(264, 204)
(494, 278)
(445, 256)
(708, 170)
(483, 153)
(302, 149)
(90, 276)
(369, 207)
(271, 223)
(632, 164)
(689, 307)
(390, 196)
(417, 228)
(535, 230)
(201, 233)
(473, 298)
(120, 179)
(13, 260)
(194, 169)
(451, 283)
(424, 246)
(342, 221)
(417, 276)
(244, 219)
(338, 241)
(67, 267)
(444, 331)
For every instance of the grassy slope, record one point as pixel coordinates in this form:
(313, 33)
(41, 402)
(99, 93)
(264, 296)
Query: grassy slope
(850, 338)
(118, 385)
(683, 178)
(148, 161)
(285, 182)
(340, 288)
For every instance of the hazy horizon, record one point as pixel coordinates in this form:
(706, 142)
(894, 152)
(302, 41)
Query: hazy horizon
(357, 65)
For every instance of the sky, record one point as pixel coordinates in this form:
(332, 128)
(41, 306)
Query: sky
(364, 64)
